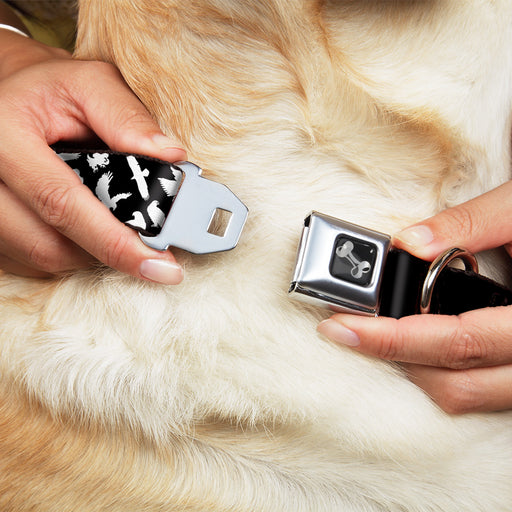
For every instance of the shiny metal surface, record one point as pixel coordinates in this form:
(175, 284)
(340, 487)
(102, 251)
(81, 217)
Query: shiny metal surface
(313, 281)
(187, 224)
(437, 267)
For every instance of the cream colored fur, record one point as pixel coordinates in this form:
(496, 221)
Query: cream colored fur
(217, 394)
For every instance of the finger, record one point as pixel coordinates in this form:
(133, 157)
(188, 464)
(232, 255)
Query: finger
(55, 193)
(463, 391)
(118, 117)
(30, 243)
(479, 224)
(478, 338)
(60, 101)
(14, 267)
(50, 188)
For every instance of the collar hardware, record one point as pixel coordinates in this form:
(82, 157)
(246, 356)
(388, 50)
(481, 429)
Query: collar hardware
(169, 204)
(351, 269)
(187, 224)
(340, 265)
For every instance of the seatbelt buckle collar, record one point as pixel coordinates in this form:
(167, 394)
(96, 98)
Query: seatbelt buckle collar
(351, 269)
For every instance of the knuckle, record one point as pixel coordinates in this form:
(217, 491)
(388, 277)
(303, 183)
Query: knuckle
(465, 349)
(53, 202)
(386, 349)
(97, 68)
(128, 120)
(42, 257)
(389, 345)
(116, 250)
(460, 394)
(461, 220)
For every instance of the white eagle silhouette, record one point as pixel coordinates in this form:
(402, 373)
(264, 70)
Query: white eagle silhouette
(137, 221)
(139, 176)
(103, 194)
(156, 215)
(170, 187)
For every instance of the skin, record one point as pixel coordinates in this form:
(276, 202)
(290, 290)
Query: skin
(463, 362)
(50, 222)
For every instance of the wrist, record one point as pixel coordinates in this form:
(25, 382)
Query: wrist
(18, 52)
(9, 18)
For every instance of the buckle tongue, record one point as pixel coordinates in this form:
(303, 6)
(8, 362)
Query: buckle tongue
(187, 225)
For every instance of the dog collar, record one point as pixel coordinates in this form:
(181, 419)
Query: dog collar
(351, 269)
(168, 204)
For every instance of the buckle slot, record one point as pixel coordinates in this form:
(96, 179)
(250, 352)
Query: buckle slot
(189, 221)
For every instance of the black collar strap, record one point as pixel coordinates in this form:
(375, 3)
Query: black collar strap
(169, 204)
(356, 270)
(340, 265)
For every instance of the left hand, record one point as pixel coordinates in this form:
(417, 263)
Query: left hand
(51, 223)
(463, 362)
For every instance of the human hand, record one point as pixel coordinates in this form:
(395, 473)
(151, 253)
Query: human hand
(50, 223)
(463, 362)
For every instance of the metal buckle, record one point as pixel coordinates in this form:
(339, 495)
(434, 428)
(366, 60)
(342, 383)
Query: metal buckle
(437, 267)
(187, 224)
(340, 265)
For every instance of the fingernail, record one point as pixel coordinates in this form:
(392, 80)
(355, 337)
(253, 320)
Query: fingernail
(165, 143)
(161, 271)
(416, 236)
(338, 333)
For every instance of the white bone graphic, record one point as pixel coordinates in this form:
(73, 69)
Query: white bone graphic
(139, 176)
(103, 194)
(358, 267)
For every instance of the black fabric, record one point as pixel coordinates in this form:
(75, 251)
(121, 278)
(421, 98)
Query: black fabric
(138, 190)
(401, 286)
(455, 290)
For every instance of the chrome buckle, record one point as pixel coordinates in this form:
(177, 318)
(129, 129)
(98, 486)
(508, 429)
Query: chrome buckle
(340, 265)
(187, 225)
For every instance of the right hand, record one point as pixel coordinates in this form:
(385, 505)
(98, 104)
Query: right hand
(463, 362)
(49, 221)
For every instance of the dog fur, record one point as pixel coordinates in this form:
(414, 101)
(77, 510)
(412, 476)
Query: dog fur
(217, 394)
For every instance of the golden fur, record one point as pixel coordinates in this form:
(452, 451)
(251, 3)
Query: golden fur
(217, 394)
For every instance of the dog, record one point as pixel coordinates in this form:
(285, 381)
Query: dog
(218, 394)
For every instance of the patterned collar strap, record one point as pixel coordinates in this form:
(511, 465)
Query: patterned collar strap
(168, 204)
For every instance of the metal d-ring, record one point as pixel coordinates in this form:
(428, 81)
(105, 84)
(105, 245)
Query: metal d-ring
(437, 266)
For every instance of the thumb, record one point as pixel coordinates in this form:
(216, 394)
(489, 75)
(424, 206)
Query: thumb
(479, 224)
(119, 118)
